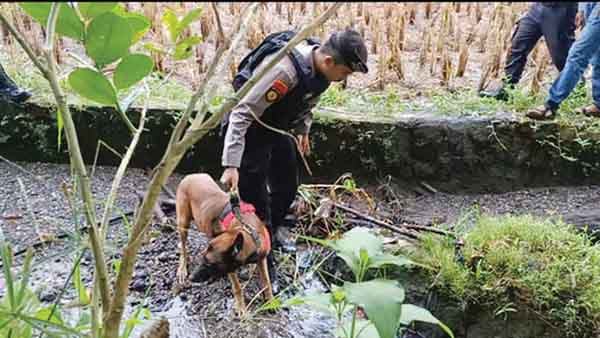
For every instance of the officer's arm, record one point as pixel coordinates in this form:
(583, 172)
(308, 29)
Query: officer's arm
(303, 127)
(267, 91)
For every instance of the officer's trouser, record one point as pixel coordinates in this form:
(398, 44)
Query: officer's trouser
(269, 159)
(555, 24)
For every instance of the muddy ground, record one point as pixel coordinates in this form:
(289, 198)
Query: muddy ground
(202, 309)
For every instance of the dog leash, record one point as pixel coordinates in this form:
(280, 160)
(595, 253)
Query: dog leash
(234, 201)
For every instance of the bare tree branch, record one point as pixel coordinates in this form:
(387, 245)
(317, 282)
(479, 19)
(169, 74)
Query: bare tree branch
(76, 159)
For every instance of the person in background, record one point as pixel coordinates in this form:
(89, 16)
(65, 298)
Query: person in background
(584, 51)
(556, 22)
(9, 89)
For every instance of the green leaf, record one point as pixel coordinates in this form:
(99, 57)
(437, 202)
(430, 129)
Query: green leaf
(387, 259)
(108, 38)
(91, 10)
(364, 329)
(139, 24)
(93, 86)
(411, 313)
(67, 23)
(382, 301)
(132, 69)
(319, 301)
(25, 275)
(44, 314)
(80, 287)
(170, 19)
(189, 18)
(8, 277)
(183, 49)
(151, 47)
(59, 124)
(351, 243)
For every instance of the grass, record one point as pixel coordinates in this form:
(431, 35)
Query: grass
(522, 260)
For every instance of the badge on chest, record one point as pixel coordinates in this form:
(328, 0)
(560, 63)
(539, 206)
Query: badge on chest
(277, 91)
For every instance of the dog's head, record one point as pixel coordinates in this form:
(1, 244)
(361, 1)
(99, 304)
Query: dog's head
(228, 251)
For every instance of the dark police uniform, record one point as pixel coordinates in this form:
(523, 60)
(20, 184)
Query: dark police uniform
(283, 98)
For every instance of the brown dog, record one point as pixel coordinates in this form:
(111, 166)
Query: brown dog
(232, 243)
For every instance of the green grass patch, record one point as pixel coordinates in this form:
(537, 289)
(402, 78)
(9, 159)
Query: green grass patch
(522, 260)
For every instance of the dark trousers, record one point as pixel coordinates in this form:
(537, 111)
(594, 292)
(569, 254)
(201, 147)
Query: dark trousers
(5, 80)
(555, 23)
(269, 174)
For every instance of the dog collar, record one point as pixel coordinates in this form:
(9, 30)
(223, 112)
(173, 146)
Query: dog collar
(245, 208)
(227, 216)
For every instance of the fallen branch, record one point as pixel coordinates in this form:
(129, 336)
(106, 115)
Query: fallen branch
(395, 228)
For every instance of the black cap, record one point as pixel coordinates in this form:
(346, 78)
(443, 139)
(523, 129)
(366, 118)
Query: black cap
(352, 49)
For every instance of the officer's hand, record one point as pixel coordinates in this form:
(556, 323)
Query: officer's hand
(304, 142)
(230, 178)
(579, 20)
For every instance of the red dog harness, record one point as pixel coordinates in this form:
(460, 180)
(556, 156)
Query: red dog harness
(246, 208)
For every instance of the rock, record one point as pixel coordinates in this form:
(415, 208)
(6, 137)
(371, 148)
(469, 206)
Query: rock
(138, 285)
(48, 295)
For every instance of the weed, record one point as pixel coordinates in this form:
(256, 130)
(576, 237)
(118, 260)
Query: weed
(522, 262)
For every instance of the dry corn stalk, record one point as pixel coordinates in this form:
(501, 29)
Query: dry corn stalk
(375, 41)
(412, 14)
(232, 8)
(290, 13)
(463, 57)
(536, 81)
(427, 10)
(446, 68)
(424, 48)
(478, 12)
(200, 55)
(400, 29)
(205, 24)
(382, 67)
(278, 8)
(360, 9)
(457, 7)
(388, 10)
(395, 62)
(303, 8)
(367, 17)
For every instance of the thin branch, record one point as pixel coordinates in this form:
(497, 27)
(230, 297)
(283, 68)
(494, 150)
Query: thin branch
(76, 158)
(122, 167)
(219, 26)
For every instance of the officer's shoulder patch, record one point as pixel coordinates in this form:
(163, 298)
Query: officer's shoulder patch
(278, 89)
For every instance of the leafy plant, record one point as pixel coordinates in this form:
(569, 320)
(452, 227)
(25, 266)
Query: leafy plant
(381, 299)
(21, 313)
(107, 32)
(180, 47)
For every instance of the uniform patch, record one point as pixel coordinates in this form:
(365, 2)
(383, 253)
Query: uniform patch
(277, 90)
(272, 95)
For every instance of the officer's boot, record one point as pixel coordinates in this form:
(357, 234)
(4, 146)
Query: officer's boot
(10, 91)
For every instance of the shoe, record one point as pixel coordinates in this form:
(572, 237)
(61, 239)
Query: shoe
(15, 94)
(591, 111)
(542, 113)
(499, 94)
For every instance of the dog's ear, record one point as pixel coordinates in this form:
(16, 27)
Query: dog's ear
(238, 244)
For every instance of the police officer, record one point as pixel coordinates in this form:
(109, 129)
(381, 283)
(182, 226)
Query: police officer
(555, 21)
(263, 164)
(10, 91)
